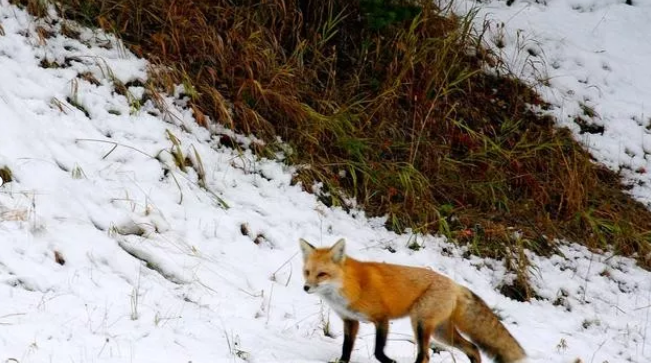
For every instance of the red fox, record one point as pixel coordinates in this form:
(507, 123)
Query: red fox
(378, 292)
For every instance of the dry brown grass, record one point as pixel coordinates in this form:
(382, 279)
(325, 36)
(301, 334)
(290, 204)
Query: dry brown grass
(402, 118)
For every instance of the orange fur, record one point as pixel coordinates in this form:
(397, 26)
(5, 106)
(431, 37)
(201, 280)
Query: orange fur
(378, 292)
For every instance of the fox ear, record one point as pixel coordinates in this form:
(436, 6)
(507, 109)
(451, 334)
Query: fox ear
(306, 248)
(338, 251)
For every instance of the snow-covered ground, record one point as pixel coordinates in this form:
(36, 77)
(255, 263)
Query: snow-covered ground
(587, 58)
(110, 253)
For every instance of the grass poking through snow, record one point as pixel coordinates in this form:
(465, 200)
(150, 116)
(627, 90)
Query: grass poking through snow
(387, 104)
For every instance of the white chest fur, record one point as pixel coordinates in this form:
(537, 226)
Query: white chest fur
(340, 304)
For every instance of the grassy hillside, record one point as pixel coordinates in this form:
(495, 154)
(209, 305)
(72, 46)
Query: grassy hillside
(386, 102)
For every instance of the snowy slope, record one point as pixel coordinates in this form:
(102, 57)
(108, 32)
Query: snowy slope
(587, 58)
(110, 253)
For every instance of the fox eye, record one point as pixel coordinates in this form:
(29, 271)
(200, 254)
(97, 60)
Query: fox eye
(307, 272)
(321, 274)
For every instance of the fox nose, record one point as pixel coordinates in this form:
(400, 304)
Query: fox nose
(306, 288)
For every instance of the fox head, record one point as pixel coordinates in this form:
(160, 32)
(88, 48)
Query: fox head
(323, 267)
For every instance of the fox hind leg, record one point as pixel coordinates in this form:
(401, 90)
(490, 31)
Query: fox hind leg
(448, 334)
(423, 330)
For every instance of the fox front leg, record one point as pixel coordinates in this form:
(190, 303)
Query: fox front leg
(381, 332)
(350, 332)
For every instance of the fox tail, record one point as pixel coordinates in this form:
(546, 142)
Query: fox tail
(474, 318)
